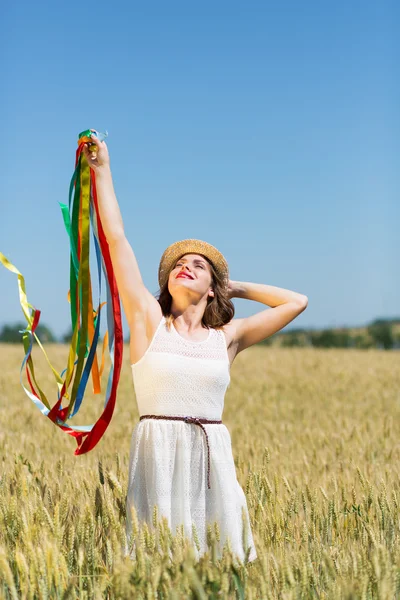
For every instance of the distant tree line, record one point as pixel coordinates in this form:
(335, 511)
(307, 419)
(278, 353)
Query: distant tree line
(10, 334)
(381, 333)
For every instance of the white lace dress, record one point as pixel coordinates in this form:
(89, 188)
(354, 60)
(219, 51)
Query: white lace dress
(168, 462)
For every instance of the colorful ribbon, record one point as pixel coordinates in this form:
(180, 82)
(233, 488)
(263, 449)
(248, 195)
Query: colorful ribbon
(78, 216)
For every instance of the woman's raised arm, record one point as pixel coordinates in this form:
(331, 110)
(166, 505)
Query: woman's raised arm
(135, 297)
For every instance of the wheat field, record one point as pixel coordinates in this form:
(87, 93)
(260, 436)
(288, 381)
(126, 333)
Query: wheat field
(316, 442)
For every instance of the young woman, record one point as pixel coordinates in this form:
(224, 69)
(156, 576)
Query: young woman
(182, 346)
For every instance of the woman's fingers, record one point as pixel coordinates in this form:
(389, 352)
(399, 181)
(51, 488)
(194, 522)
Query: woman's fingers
(91, 155)
(96, 151)
(87, 147)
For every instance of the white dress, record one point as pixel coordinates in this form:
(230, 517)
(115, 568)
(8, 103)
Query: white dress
(168, 461)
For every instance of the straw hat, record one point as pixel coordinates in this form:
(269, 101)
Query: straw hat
(178, 249)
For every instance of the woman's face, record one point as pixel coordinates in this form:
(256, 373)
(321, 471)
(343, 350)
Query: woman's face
(191, 271)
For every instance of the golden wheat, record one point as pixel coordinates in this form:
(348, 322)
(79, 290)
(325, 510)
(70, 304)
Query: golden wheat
(315, 441)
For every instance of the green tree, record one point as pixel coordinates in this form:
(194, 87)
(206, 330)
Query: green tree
(382, 334)
(10, 334)
(292, 339)
(331, 338)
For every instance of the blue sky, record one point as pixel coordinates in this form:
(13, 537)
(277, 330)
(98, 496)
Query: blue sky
(270, 130)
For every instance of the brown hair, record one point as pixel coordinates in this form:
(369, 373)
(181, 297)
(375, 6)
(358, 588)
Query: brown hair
(219, 310)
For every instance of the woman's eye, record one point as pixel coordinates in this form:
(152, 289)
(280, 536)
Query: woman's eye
(179, 264)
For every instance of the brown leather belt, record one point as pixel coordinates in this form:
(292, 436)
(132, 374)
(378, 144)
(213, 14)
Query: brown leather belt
(197, 421)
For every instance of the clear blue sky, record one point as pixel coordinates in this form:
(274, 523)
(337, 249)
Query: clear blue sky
(269, 129)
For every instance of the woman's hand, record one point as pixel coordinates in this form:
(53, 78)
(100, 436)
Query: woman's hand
(231, 289)
(97, 157)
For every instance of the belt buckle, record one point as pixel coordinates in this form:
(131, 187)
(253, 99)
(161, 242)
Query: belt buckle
(192, 420)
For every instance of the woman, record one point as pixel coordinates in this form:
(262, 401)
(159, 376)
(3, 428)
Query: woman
(182, 346)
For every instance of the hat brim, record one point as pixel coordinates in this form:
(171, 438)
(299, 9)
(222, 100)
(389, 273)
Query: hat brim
(189, 246)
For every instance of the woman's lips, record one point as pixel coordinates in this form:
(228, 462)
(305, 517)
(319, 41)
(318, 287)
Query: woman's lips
(187, 276)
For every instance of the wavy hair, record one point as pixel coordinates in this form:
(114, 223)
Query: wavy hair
(219, 310)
